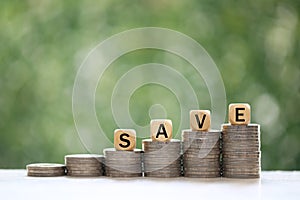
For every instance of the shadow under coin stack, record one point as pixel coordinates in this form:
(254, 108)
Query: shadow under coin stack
(241, 153)
(162, 159)
(46, 169)
(119, 163)
(84, 165)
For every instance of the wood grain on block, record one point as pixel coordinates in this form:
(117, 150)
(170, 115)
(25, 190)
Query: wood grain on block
(200, 120)
(239, 113)
(125, 139)
(161, 130)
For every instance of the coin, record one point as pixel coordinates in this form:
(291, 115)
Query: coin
(201, 153)
(45, 169)
(241, 151)
(123, 164)
(162, 159)
(84, 165)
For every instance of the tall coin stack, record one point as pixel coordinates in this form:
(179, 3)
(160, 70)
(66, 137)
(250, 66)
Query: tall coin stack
(201, 153)
(162, 159)
(84, 165)
(201, 147)
(123, 163)
(241, 155)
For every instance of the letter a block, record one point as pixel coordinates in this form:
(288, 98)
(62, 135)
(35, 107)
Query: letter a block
(200, 120)
(161, 130)
(239, 114)
(125, 139)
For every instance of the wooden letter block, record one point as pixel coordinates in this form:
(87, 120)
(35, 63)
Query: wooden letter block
(125, 139)
(239, 114)
(200, 120)
(161, 130)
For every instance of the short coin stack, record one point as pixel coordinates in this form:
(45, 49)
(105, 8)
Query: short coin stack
(123, 163)
(45, 169)
(162, 159)
(241, 151)
(201, 153)
(84, 165)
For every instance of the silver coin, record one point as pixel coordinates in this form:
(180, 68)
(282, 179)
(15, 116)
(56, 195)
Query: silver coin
(241, 126)
(240, 143)
(241, 159)
(241, 162)
(84, 164)
(242, 167)
(201, 176)
(199, 163)
(210, 132)
(84, 156)
(45, 166)
(84, 175)
(241, 153)
(239, 149)
(241, 132)
(232, 172)
(154, 161)
(203, 160)
(162, 164)
(241, 140)
(158, 174)
(46, 170)
(124, 175)
(246, 170)
(230, 150)
(243, 176)
(208, 139)
(122, 171)
(200, 146)
(228, 157)
(44, 174)
(201, 154)
(123, 160)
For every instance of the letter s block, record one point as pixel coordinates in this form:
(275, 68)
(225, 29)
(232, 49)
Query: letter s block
(125, 139)
(239, 114)
(200, 120)
(161, 130)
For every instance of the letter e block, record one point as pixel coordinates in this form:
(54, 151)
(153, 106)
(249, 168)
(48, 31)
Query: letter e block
(125, 139)
(161, 130)
(239, 114)
(200, 120)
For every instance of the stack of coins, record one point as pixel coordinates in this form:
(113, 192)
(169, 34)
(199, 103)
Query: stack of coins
(84, 165)
(162, 159)
(241, 151)
(45, 169)
(123, 163)
(201, 153)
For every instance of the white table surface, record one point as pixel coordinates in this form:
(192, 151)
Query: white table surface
(14, 184)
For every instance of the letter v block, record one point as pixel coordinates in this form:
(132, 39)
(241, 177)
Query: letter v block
(125, 139)
(239, 114)
(161, 130)
(200, 120)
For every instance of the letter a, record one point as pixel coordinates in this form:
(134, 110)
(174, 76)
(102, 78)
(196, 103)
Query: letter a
(161, 131)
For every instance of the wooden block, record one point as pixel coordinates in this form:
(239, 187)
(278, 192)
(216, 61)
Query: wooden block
(200, 120)
(239, 113)
(161, 130)
(125, 139)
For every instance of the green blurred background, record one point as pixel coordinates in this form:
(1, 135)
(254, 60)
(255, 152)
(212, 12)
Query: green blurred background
(255, 44)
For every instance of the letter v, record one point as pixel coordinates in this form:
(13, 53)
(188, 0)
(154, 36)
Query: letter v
(200, 124)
